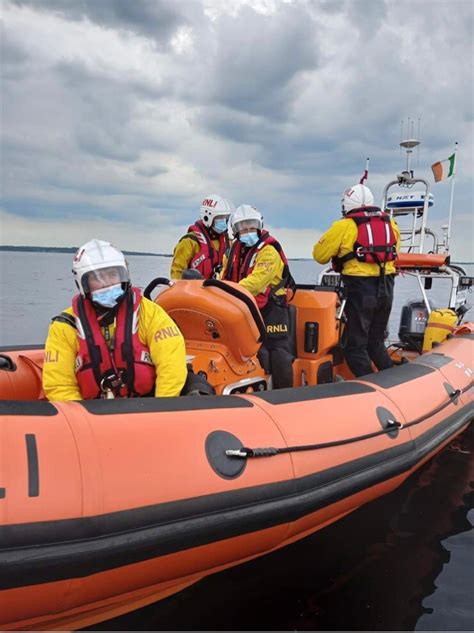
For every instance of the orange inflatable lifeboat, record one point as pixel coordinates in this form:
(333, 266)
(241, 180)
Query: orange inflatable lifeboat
(109, 505)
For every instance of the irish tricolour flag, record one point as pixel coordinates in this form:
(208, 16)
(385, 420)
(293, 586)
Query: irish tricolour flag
(444, 169)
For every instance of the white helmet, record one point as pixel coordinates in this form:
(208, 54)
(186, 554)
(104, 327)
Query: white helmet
(213, 206)
(245, 217)
(96, 255)
(356, 197)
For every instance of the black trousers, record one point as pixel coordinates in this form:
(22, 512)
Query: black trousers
(275, 354)
(276, 358)
(368, 306)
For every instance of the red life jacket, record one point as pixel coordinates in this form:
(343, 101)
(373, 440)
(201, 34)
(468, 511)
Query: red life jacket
(126, 357)
(375, 242)
(207, 260)
(241, 263)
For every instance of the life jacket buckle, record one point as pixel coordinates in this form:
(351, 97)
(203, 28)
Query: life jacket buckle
(110, 385)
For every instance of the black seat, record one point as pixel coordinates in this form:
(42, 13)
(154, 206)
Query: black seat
(190, 273)
(197, 385)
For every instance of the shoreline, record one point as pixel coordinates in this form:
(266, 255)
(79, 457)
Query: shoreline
(68, 249)
(73, 249)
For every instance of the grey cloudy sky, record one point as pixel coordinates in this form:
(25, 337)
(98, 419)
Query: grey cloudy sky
(119, 116)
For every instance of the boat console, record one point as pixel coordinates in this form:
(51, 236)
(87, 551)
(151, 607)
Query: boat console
(223, 329)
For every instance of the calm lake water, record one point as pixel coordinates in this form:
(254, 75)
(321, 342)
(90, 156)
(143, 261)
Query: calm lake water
(36, 286)
(404, 562)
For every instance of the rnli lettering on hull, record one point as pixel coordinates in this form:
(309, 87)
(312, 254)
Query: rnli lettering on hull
(33, 467)
(140, 534)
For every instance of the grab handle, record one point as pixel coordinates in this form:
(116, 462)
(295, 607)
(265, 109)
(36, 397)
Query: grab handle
(6, 363)
(158, 281)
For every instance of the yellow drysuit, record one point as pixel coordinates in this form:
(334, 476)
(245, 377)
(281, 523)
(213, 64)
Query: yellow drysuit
(339, 241)
(168, 354)
(183, 253)
(268, 271)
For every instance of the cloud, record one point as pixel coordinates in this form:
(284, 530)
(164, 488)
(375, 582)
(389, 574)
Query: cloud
(258, 59)
(128, 113)
(156, 19)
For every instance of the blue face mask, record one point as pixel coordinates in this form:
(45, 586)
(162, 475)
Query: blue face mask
(107, 297)
(249, 239)
(220, 225)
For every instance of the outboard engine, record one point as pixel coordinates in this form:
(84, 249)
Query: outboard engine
(413, 322)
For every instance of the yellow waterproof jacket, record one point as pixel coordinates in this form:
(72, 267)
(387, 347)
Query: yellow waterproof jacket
(268, 271)
(339, 240)
(183, 253)
(168, 354)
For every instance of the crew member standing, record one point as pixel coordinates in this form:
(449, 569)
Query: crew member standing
(257, 262)
(363, 246)
(203, 247)
(112, 342)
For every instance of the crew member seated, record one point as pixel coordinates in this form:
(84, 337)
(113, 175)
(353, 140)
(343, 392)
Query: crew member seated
(112, 342)
(203, 247)
(257, 262)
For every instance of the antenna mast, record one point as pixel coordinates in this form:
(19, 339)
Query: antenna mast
(409, 144)
(407, 179)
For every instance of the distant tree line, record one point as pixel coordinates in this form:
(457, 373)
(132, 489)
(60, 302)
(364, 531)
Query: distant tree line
(73, 249)
(67, 249)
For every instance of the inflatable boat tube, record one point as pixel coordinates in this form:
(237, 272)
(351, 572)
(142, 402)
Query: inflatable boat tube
(108, 505)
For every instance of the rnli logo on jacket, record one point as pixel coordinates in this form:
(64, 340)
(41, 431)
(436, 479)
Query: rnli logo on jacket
(51, 356)
(277, 329)
(198, 261)
(146, 358)
(78, 363)
(166, 332)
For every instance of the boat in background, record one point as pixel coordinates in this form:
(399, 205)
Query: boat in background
(109, 505)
